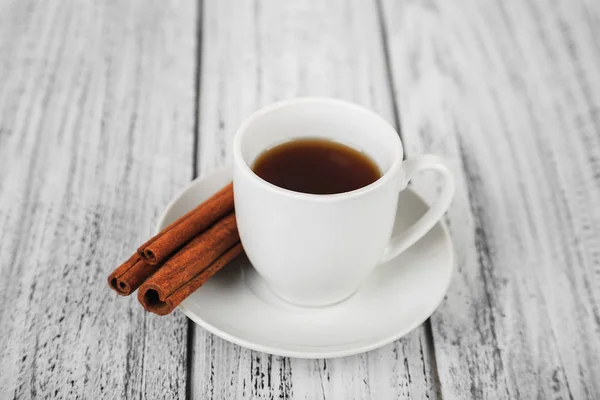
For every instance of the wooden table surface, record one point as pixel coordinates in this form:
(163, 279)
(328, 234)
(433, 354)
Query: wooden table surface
(109, 108)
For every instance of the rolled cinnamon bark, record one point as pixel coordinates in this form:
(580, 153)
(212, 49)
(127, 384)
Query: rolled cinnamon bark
(175, 236)
(150, 294)
(130, 275)
(191, 267)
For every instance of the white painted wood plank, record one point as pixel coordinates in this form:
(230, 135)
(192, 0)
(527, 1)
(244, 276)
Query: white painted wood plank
(510, 92)
(96, 135)
(255, 53)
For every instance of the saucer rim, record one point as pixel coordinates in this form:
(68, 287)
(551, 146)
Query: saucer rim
(349, 351)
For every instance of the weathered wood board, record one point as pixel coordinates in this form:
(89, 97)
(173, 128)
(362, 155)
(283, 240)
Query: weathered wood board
(255, 53)
(510, 93)
(96, 135)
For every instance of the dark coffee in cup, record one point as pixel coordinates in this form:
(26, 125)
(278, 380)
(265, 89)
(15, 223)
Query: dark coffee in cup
(316, 166)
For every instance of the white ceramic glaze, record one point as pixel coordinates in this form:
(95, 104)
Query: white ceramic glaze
(315, 250)
(398, 296)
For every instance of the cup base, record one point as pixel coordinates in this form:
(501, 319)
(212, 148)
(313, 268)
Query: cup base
(310, 304)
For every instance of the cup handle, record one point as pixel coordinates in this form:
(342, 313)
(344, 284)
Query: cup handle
(410, 167)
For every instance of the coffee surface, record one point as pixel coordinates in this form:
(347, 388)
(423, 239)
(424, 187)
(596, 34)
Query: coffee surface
(316, 166)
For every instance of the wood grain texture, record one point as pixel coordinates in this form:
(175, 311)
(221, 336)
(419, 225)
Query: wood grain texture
(255, 53)
(97, 107)
(96, 135)
(510, 93)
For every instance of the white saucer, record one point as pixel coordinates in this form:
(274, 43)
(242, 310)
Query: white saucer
(398, 296)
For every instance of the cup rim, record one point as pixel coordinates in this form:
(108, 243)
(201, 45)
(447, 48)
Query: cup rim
(248, 172)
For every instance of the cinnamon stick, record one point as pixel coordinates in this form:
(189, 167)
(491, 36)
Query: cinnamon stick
(173, 237)
(182, 273)
(150, 294)
(130, 275)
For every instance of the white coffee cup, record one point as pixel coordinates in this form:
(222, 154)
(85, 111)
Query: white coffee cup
(315, 250)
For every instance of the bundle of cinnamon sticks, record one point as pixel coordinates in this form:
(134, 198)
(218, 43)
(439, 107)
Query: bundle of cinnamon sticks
(182, 257)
